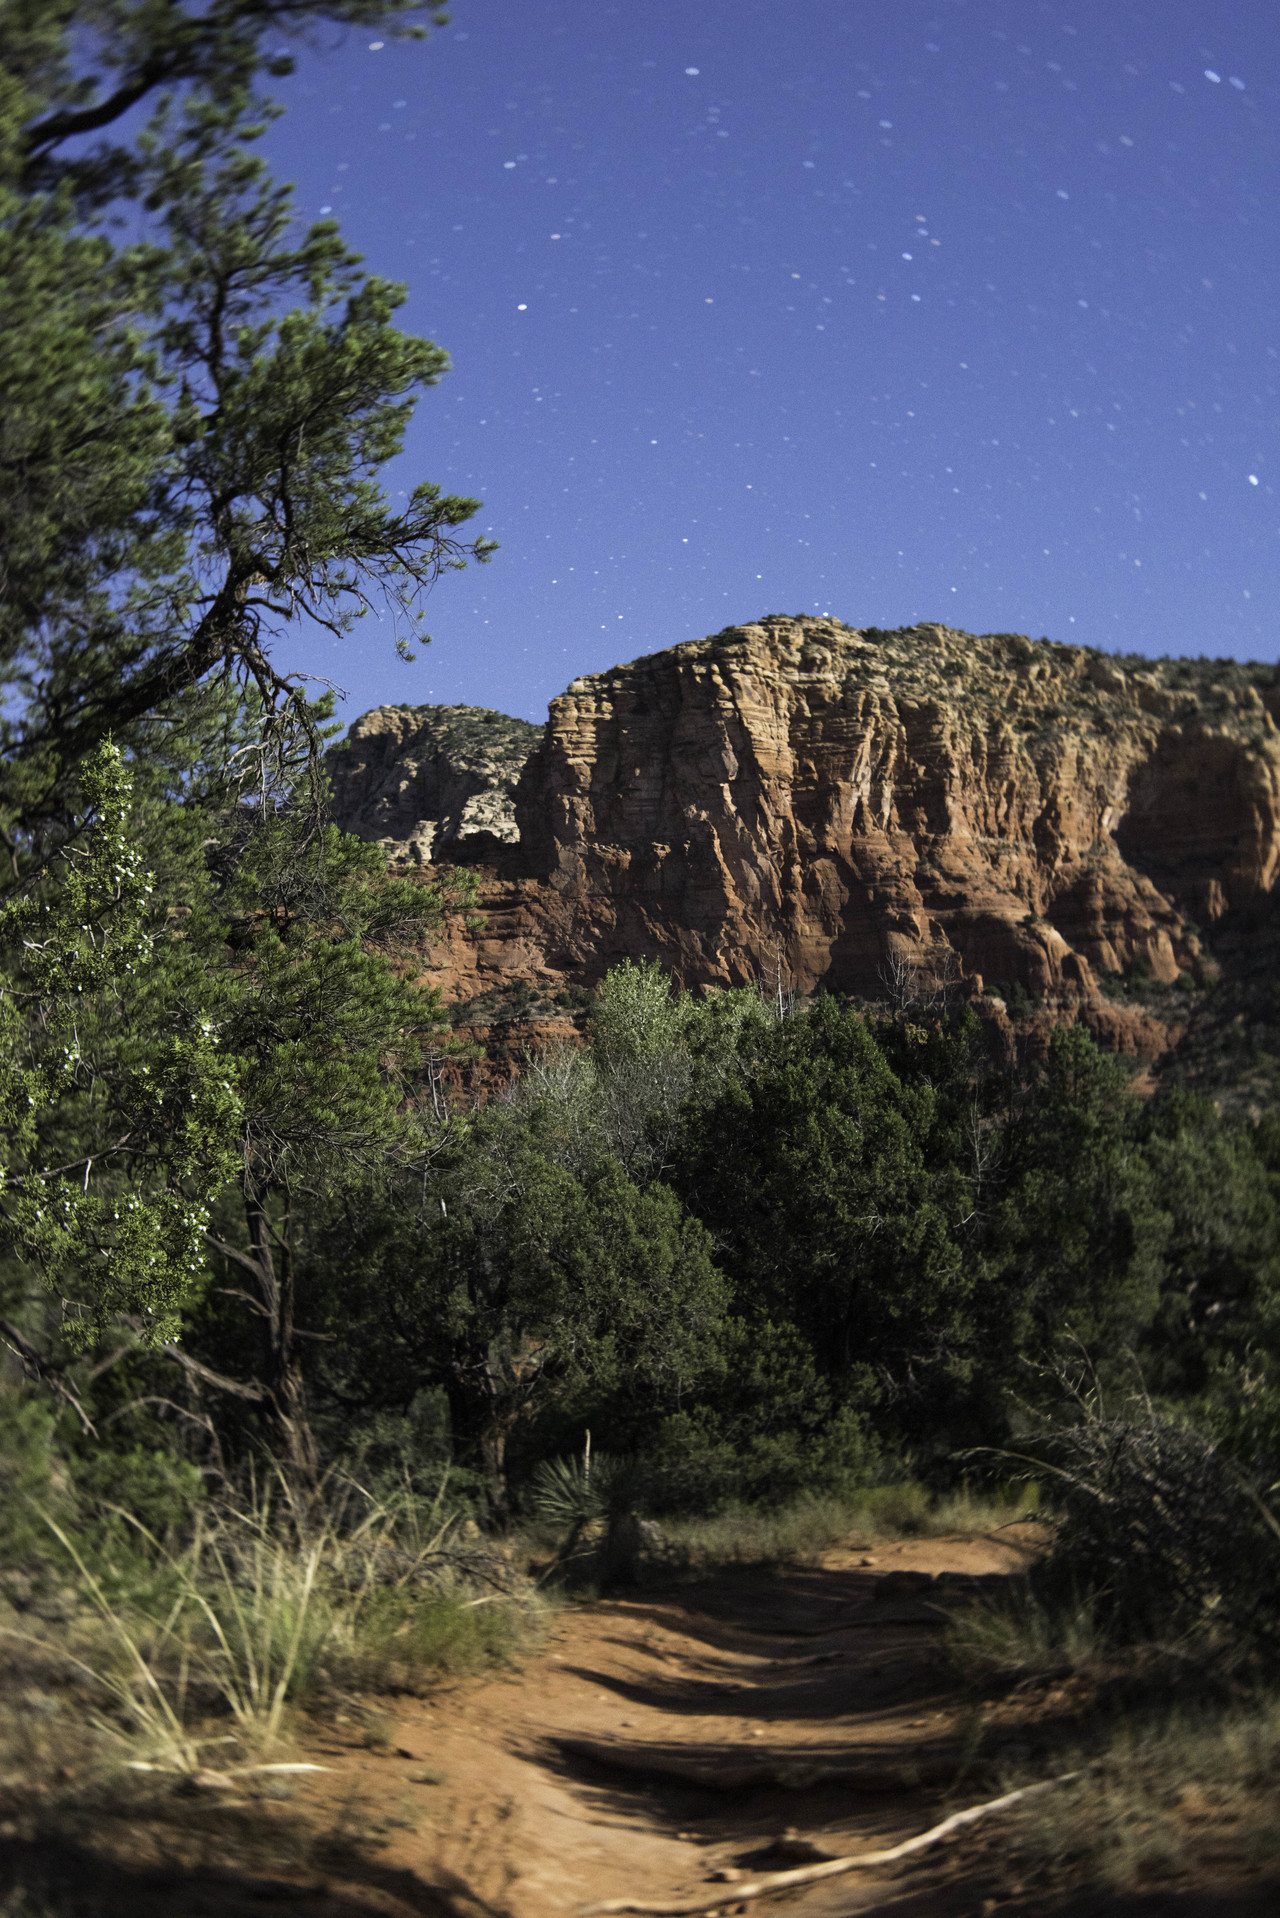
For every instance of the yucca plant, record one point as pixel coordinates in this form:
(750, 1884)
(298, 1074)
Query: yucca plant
(579, 1487)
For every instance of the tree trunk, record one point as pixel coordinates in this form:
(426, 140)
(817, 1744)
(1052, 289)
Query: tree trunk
(493, 1454)
(282, 1369)
(479, 1438)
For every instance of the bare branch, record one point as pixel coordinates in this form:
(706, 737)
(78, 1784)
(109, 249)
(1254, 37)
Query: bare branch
(38, 1367)
(831, 1867)
(105, 1365)
(255, 1394)
(236, 1256)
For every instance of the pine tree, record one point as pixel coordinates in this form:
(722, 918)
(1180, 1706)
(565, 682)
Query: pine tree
(192, 421)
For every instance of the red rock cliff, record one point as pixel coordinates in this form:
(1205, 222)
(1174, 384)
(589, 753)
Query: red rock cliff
(802, 798)
(800, 793)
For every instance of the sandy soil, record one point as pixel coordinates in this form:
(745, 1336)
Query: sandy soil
(663, 1738)
(658, 1746)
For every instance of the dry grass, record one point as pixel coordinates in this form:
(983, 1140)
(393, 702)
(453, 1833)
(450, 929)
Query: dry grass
(1180, 1763)
(1187, 1796)
(145, 1738)
(799, 1532)
(1018, 1638)
(270, 1606)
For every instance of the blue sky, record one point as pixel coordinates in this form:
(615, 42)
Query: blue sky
(939, 309)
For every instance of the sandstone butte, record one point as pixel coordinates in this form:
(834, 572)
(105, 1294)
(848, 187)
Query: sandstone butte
(810, 805)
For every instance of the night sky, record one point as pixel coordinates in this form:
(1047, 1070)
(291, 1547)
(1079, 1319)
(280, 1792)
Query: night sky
(889, 309)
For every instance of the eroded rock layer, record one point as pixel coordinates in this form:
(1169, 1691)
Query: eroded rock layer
(800, 800)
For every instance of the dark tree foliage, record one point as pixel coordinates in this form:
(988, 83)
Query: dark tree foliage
(195, 402)
(534, 1303)
(87, 66)
(1072, 1247)
(942, 1238)
(1217, 1189)
(838, 1202)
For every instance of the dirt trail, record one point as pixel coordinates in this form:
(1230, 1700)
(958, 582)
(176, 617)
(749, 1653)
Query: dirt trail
(662, 1738)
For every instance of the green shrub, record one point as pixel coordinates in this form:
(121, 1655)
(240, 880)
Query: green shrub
(1168, 1535)
(29, 1475)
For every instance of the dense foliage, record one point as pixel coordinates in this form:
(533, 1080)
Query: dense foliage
(753, 1250)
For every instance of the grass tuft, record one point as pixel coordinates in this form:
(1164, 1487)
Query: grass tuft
(273, 1604)
(1020, 1636)
(1173, 1796)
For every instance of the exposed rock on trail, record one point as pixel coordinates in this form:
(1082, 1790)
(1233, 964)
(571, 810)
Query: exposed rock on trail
(798, 800)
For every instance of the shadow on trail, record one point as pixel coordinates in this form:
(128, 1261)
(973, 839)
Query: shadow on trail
(818, 1647)
(60, 1878)
(819, 1654)
(861, 1679)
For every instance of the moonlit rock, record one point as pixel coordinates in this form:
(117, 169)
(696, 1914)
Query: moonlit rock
(694, 805)
(431, 782)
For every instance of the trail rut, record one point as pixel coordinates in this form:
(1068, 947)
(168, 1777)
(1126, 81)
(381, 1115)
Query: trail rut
(664, 1741)
(660, 1748)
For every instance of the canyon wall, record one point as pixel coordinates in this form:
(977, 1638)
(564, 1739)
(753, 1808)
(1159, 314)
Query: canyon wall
(802, 802)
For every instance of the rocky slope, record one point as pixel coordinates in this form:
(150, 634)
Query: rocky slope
(800, 801)
(431, 782)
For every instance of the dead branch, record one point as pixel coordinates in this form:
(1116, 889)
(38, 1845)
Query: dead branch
(194, 1369)
(833, 1867)
(112, 1358)
(40, 1368)
(235, 1255)
(201, 1419)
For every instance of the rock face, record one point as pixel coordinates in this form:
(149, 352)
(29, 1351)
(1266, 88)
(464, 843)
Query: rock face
(801, 793)
(431, 782)
(804, 802)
